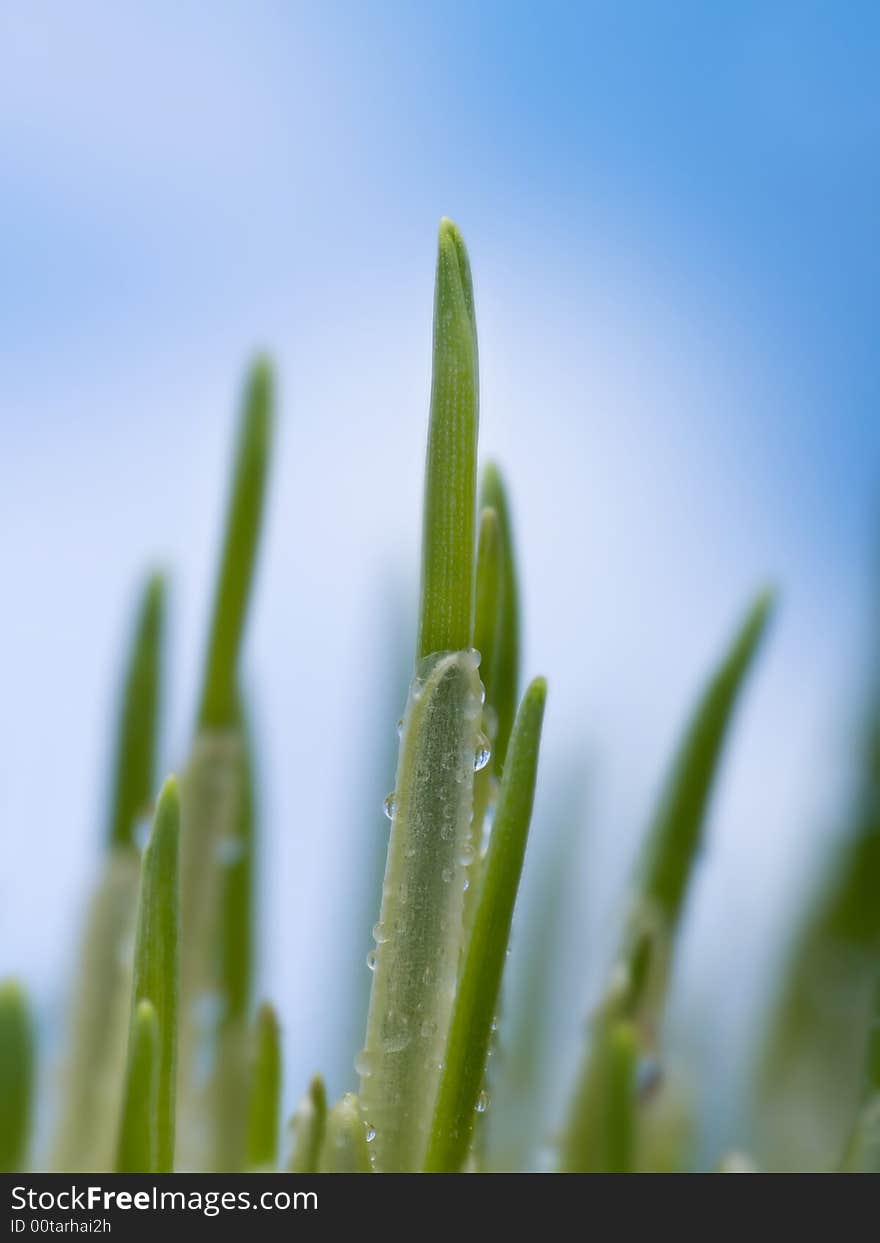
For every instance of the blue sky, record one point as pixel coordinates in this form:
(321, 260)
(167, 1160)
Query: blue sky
(671, 211)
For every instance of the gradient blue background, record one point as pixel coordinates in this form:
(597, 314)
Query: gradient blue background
(672, 215)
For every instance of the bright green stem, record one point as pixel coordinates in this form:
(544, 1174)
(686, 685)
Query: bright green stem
(134, 765)
(446, 615)
(309, 1125)
(504, 672)
(345, 1150)
(420, 925)
(139, 1130)
(156, 959)
(477, 997)
(265, 1093)
(16, 1076)
(219, 699)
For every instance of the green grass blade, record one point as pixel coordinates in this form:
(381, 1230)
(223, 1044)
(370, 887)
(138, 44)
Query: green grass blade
(505, 664)
(676, 834)
(639, 982)
(345, 1150)
(446, 614)
(265, 1095)
(419, 930)
(16, 1076)
(139, 1130)
(477, 997)
(309, 1125)
(488, 608)
(135, 761)
(862, 1154)
(219, 698)
(156, 958)
(94, 1066)
(618, 1110)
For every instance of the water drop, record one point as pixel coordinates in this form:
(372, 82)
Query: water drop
(371, 960)
(371, 1133)
(466, 855)
(380, 933)
(390, 805)
(228, 851)
(466, 886)
(400, 727)
(446, 875)
(363, 1064)
(483, 753)
(482, 1102)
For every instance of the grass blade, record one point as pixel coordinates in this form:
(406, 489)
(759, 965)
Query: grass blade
(639, 982)
(419, 930)
(156, 960)
(862, 1154)
(617, 1131)
(345, 1148)
(101, 998)
(134, 773)
(504, 673)
(139, 1132)
(219, 698)
(446, 614)
(16, 1076)
(480, 982)
(265, 1094)
(309, 1124)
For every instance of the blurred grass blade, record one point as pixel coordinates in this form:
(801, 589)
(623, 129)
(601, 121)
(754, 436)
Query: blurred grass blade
(345, 1150)
(216, 860)
(134, 773)
(101, 997)
(16, 1077)
(639, 981)
(309, 1125)
(419, 929)
(862, 1154)
(811, 1065)
(156, 959)
(478, 990)
(219, 699)
(446, 614)
(265, 1093)
(228, 1088)
(675, 837)
(504, 673)
(139, 1131)
(618, 1111)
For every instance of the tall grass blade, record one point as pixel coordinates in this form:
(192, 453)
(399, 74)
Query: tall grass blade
(639, 982)
(478, 990)
(419, 930)
(446, 615)
(94, 1068)
(16, 1077)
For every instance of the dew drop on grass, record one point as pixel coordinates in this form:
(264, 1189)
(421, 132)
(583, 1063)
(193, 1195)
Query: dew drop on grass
(371, 960)
(364, 1064)
(390, 805)
(446, 875)
(483, 753)
(466, 855)
(482, 1102)
(400, 727)
(380, 933)
(371, 1133)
